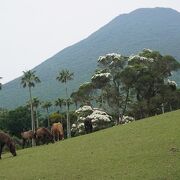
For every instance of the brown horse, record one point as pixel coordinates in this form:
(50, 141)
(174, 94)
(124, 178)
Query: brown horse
(6, 140)
(27, 137)
(43, 135)
(57, 131)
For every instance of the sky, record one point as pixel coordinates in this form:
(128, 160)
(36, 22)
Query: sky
(32, 31)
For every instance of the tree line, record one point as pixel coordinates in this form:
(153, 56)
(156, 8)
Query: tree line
(139, 86)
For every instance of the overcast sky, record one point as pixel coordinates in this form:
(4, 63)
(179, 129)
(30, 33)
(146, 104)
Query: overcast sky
(33, 30)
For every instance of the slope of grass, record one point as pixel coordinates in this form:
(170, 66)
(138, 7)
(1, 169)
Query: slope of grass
(147, 149)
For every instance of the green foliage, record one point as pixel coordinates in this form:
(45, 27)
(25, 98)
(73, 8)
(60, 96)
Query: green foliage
(55, 117)
(138, 83)
(15, 121)
(29, 79)
(64, 76)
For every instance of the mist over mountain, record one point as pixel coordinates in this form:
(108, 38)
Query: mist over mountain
(154, 28)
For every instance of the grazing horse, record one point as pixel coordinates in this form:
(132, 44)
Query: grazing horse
(88, 125)
(43, 135)
(57, 131)
(6, 140)
(27, 137)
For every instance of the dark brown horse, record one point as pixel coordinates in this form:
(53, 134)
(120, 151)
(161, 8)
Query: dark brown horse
(57, 131)
(5, 139)
(88, 126)
(27, 137)
(43, 135)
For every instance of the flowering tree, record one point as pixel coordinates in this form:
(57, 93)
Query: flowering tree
(149, 72)
(107, 78)
(100, 119)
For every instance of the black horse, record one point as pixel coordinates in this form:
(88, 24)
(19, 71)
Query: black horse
(88, 125)
(5, 139)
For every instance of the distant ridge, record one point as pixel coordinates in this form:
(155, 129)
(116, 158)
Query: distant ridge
(154, 28)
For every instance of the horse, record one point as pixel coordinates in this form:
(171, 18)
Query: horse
(57, 131)
(5, 139)
(27, 137)
(43, 135)
(88, 126)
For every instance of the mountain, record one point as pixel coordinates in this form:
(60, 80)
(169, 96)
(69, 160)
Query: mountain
(154, 28)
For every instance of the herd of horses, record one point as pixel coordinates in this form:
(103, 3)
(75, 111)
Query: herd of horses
(41, 136)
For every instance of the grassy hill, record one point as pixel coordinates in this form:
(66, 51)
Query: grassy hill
(154, 28)
(147, 149)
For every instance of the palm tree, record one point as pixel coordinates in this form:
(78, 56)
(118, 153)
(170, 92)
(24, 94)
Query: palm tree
(59, 103)
(75, 98)
(36, 103)
(69, 102)
(46, 105)
(29, 80)
(64, 76)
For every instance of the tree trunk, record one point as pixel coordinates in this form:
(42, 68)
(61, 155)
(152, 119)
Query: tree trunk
(102, 99)
(162, 107)
(67, 116)
(48, 117)
(60, 114)
(37, 120)
(32, 117)
(125, 106)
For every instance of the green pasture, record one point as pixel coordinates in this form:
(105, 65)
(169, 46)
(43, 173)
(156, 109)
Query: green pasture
(146, 149)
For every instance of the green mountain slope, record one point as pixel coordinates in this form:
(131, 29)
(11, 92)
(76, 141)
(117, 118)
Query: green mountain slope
(147, 149)
(156, 28)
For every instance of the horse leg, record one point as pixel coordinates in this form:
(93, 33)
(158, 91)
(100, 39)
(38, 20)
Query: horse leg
(1, 148)
(59, 136)
(37, 141)
(23, 143)
(53, 136)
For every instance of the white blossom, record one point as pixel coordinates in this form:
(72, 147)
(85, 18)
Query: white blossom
(109, 56)
(80, 125)
(107, 75)
(98, 116)
(84, 109)
(114, 55)
(172, 83)
(140, 58)
(127, 119)
(147, 50)
(74, 126)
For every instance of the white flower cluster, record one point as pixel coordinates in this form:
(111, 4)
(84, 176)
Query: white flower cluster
(99, 75)
(140, 58)
(99, 119)
(127, 119)
(109, 56)
(147, 50)
(83, 110)
(99, 116)
(79, 127)
(114, 55)
(74, 126)
(171, 83)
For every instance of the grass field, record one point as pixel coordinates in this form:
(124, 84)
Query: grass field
(146, 149)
